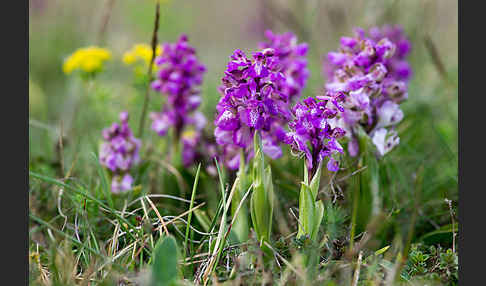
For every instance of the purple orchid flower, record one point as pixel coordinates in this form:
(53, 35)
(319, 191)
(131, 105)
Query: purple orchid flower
(179, 76)
(119, 153)
(311, 133)
(371, 70)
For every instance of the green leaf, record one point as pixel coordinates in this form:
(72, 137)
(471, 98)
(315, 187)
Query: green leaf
(269, 196)
(314, 184)
(221, 204)
(442, 234)
(382, 250)
(310, 211)
(261, 203)
(164, 267)
(203, 219)
(104, 181)
(306, 211)
(253, 213)
(194, 188)
(318, 215)
(260, 212)
(369, 200)
(240, 227)
(306, 174)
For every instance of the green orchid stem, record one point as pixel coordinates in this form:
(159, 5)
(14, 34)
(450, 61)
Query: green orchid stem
(176, 150)
(367, 202)
(240, 226)
(311, 211)
(355, 212)
(261, 203)
(374, 185)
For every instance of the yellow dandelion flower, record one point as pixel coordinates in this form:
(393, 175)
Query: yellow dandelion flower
(140, 53)
(90, 65)
(89, 60)
(129, 58)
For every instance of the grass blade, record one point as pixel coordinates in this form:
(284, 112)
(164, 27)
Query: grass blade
(194, 187)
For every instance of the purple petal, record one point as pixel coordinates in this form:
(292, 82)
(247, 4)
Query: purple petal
(126, 183)
(332, 165)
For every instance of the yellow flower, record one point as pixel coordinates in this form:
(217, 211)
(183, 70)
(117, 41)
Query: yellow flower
(140, 53)
(189, 134)
(34, 256)
(129, 58)
(89, 60)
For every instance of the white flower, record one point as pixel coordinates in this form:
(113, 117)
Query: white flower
(385, 140)
(389, 114)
